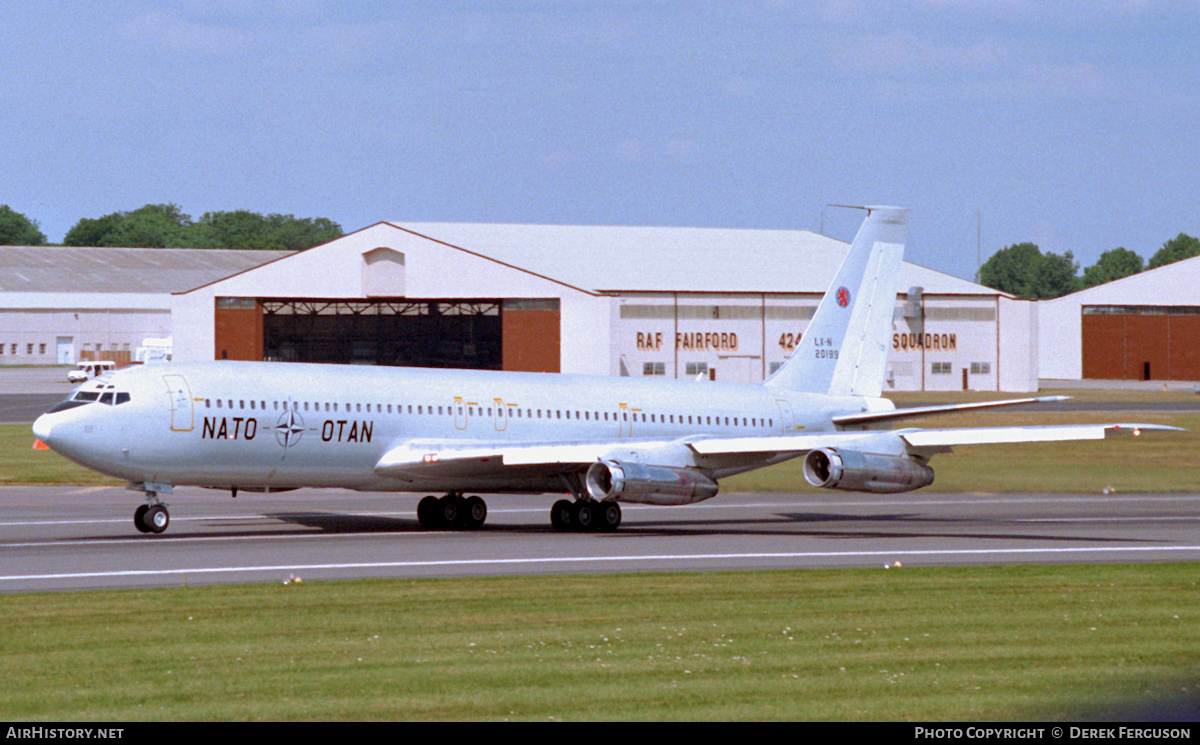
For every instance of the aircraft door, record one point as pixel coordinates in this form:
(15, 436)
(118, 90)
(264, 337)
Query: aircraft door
(501, 415)
(624, 423)
(785, 415)
(460, 413)
(181, 403)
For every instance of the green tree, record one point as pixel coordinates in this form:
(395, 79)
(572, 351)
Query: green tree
(1023, 270)
(152, 226)
(1182, 246)
(245, 229)
(297, 234)
(91, 232)
(18, 230)
(166, 226)
(1113, 264)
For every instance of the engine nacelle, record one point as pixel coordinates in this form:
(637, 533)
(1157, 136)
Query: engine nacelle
(833, 468)
(635, 482)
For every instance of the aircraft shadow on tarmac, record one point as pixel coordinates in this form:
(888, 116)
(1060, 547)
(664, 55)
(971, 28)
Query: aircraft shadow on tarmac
(782, 524)
(915, 526)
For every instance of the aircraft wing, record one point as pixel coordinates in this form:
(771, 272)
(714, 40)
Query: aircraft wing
(920, 439)
(449, 458)
(939, 439)
(871, 417)
(423, 459)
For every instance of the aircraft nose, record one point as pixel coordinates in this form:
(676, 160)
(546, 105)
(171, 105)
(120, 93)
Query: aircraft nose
(42, 427)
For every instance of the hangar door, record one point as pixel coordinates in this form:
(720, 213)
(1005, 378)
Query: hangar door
(1141, 342)
(473, 334)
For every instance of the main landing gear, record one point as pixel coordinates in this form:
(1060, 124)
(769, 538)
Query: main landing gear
(452, 512)
(585, 516)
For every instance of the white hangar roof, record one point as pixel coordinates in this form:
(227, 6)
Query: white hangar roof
(56, 269)
(1172, 284)
(656, 259)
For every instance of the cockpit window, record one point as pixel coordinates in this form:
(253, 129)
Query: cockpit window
(92, 392)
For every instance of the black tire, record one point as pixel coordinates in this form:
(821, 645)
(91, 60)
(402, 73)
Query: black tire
(585, 516)
(450, 512)
(609, 517)
(562, 516)
(139, 519)
(157, 518)
(427, 512)
(475, 513)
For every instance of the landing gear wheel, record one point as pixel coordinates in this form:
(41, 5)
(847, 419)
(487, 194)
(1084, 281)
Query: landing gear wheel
(562, 516)
(139, 519)
(585, 516)
(427, 511)
(609, 518)
(450, 511)
(156, 518)
(474, 513)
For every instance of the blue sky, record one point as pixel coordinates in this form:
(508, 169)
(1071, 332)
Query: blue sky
(1075, 125)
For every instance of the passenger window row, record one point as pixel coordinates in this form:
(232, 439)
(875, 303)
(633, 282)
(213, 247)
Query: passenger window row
(510, 412)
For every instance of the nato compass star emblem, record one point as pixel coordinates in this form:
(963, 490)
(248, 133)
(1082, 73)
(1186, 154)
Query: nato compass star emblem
(289, 428)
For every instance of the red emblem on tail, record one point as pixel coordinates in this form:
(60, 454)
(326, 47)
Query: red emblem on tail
(843, 297)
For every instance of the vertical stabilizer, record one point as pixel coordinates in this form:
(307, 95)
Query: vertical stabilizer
(844, 349)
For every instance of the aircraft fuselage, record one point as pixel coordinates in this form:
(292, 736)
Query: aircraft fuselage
(265, 425)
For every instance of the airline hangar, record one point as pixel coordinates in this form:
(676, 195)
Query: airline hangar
(724, 304)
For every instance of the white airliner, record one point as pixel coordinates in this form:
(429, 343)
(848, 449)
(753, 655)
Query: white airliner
(266, 426)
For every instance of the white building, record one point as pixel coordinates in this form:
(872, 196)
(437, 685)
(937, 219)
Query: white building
(62, 305)
(675, 302)
(1142, 327)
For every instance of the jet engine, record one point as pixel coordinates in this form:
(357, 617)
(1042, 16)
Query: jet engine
(635, 482)
(833, 468)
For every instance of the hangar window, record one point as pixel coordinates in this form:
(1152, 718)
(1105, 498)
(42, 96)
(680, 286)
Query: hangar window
(654, 368)
(942, 368)
(981, 368)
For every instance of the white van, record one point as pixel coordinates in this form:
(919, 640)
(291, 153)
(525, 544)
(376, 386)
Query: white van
(85, 371)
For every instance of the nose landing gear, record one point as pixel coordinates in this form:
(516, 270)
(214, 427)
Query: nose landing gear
(153, 516)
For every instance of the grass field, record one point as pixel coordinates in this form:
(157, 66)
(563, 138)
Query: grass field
(21, 464)
(899, 644)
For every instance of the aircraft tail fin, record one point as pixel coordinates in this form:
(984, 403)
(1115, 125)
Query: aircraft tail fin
(844, 349)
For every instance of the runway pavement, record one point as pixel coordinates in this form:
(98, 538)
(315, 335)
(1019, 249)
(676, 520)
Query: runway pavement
(65, 538)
